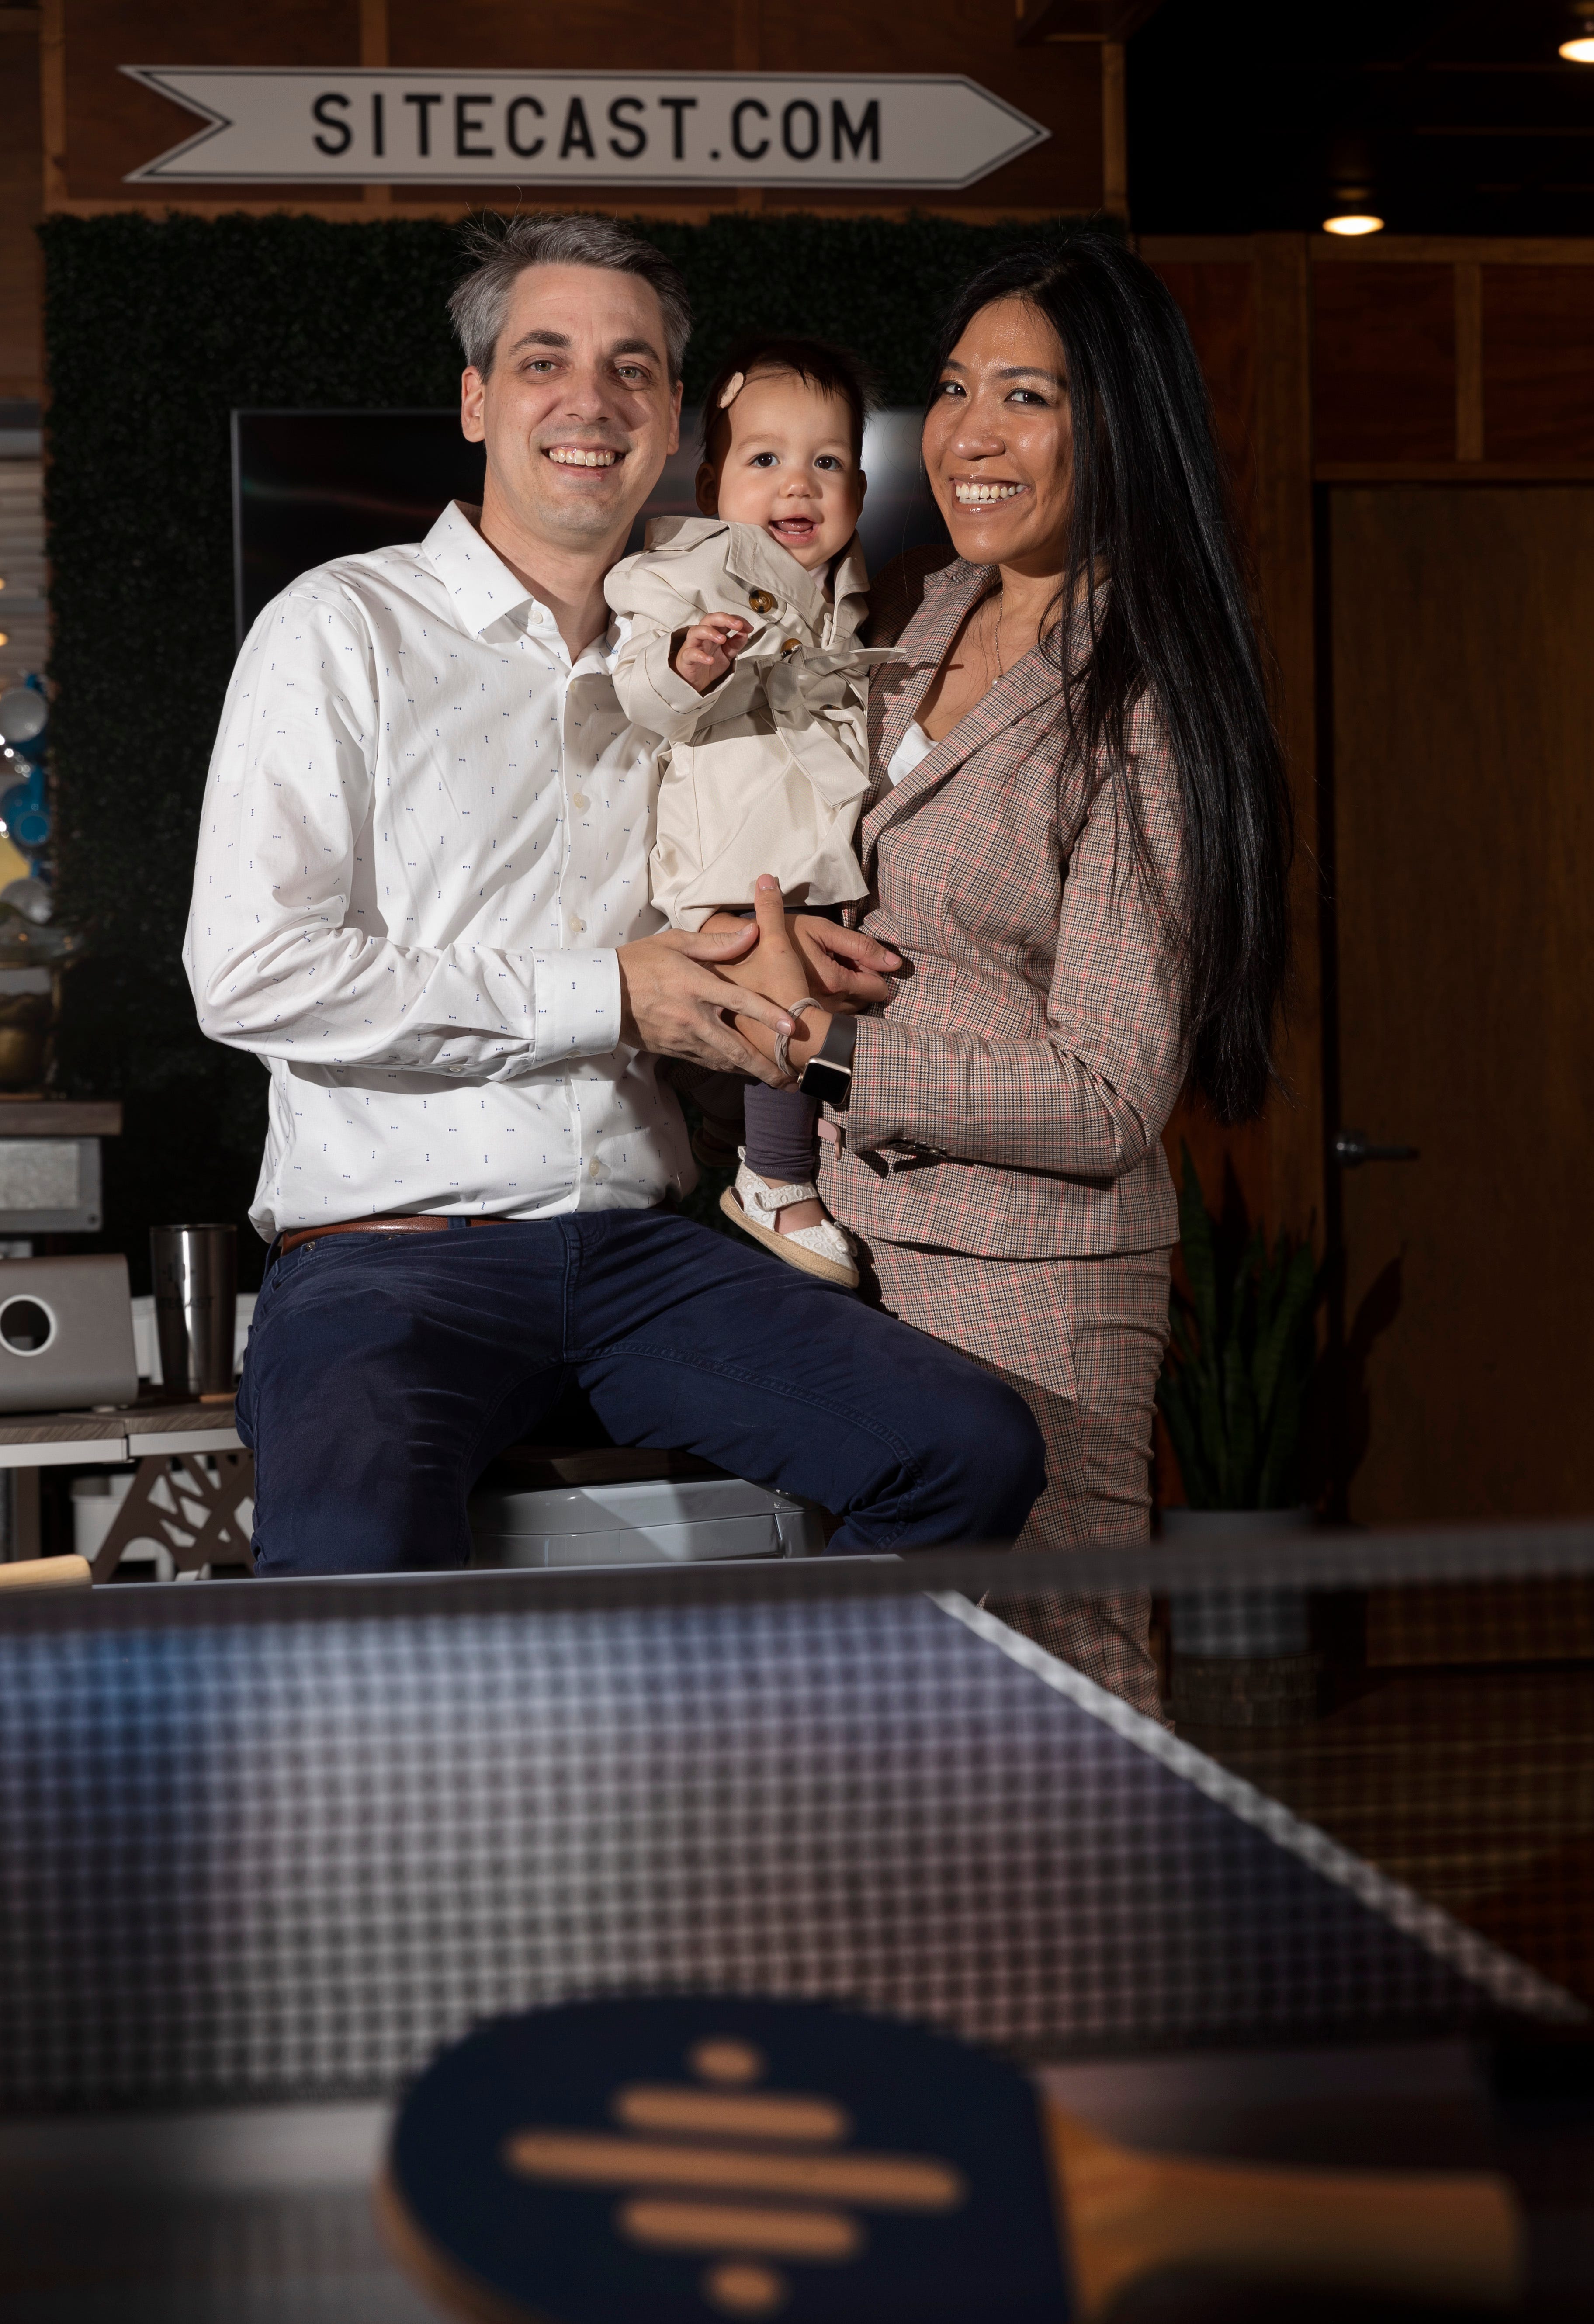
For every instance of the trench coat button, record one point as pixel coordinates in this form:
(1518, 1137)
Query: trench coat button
(790, 646)
(760, 601)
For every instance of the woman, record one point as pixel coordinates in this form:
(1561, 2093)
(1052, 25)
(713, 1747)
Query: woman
(1078, 833)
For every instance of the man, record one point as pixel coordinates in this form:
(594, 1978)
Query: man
(421, 897)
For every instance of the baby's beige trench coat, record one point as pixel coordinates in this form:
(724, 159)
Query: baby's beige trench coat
(766, 772)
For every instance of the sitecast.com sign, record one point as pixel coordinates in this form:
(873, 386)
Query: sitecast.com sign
(263, 126)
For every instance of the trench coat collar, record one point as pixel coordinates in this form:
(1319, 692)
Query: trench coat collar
(758, 562)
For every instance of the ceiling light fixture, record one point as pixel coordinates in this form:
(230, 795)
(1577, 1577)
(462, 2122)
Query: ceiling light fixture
(1352, 176)
(1578, 49)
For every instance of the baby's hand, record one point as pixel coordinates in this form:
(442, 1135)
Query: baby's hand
(707, 649)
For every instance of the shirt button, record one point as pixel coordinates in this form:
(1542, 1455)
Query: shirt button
(580, 802)
(577, 924)
(594, 1168)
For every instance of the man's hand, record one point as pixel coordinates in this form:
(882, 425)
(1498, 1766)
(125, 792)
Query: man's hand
(707, 649)
(676, 1005)
(845, 969)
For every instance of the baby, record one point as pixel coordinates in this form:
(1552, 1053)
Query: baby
(742, 656)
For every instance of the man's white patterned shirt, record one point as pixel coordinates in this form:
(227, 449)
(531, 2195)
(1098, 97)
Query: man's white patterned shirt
(423, 837)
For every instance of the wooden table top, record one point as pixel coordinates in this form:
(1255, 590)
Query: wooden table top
(141, 1419)
(60, 1117)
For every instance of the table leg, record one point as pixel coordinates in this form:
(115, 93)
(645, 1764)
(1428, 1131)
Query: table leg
(174, 1501)
(19, 1514)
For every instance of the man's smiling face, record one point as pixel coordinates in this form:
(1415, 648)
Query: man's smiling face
(577, 413)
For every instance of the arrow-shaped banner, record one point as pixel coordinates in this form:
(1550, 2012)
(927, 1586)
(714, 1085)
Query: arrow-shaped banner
(265, 126)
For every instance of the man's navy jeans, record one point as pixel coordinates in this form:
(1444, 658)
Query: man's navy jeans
(385, 1371)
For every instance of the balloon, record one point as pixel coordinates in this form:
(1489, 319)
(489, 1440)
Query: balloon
(24, 715)
(26, 815)
(30, 897)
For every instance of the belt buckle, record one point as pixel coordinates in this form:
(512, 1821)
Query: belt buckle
(915, 1157)
(908, 1154)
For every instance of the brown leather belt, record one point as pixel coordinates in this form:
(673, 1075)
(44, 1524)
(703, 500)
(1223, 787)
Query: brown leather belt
(418, 1225)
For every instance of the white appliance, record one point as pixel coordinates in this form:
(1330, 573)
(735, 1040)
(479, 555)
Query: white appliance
(649, 1521)
(66, 1335)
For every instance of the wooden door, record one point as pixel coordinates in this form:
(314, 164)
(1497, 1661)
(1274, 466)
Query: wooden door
(1462, 688)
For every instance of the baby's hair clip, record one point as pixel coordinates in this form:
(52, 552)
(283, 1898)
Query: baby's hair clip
(731, 389)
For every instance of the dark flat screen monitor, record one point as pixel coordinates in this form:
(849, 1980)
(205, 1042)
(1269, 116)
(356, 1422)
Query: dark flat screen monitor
(310, 485)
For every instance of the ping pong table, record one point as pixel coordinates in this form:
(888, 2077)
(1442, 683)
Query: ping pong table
(263, 1850)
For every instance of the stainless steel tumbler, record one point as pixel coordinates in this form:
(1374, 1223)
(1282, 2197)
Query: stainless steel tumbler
(195, 1272)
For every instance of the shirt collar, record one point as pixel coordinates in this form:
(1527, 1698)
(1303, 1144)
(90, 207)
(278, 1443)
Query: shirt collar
(481, 586)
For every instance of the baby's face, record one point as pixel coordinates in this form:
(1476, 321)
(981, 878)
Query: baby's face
(790, 467)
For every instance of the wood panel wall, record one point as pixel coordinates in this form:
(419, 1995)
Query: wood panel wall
(1453, 362)
(1427, 362)
(1246, 302)
(1403, 360)
(21, 198)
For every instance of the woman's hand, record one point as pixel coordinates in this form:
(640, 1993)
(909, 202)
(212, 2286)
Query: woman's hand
(707, 649)
(846, 970)
(849, 970)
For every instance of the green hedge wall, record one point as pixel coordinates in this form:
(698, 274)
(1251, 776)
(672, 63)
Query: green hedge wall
(155, 330)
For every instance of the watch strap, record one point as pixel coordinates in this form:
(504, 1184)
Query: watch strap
(839, 1042)
(828, 1074)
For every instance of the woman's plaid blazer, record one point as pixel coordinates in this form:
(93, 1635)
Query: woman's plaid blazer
(1011, 1101)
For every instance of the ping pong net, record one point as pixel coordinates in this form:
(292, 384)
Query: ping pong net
(283, 1839)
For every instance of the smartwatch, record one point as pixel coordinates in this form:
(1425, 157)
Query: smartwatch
(828, 1073)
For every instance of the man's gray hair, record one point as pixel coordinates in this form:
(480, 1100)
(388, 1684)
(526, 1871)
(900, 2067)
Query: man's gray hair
(503, 248)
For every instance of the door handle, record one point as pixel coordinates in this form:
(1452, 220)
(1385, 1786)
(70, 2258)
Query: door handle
(1351, 1148)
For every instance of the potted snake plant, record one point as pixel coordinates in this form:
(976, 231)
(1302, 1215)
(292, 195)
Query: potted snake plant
(1234, 1394)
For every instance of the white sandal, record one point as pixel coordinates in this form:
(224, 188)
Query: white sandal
(754, 1205)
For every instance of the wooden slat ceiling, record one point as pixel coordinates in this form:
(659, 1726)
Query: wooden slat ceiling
(1082, 20)
(1239, 112)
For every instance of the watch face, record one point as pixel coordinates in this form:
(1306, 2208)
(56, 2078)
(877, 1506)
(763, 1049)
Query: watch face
(833, 1084)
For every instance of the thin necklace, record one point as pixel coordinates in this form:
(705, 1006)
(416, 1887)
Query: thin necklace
(994, 644)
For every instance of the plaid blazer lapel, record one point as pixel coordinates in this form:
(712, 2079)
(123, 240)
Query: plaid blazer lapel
(949, 591)
(1026, 684)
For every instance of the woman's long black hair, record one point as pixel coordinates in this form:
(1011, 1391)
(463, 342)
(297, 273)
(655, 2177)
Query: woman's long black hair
(1155, 567)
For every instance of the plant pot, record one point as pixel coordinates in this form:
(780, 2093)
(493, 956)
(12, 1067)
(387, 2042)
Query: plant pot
(1241, 1657)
